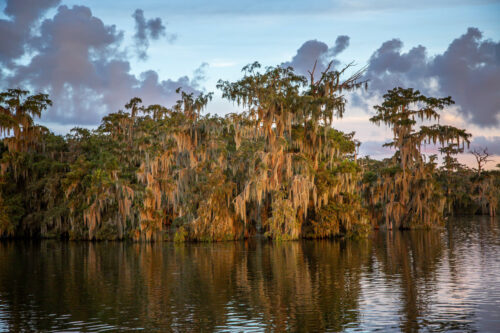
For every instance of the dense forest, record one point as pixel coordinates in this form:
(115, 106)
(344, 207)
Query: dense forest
(279, 168)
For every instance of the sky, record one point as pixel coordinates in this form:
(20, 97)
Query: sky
(92, 56)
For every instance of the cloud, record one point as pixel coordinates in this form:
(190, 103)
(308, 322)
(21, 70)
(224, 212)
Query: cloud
(14, 32)
(341, 43)
(469, 71)
(491, 143)
(375, 149)
(389, 67)
(200, 74)
(315, 51)
(148, 29)
(78, 61)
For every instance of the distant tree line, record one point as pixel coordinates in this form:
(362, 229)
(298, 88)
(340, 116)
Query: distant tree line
(279, 168)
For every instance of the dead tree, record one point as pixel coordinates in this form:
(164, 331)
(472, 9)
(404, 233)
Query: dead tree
(481, 159)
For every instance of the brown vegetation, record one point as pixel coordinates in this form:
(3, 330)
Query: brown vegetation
(279, 167)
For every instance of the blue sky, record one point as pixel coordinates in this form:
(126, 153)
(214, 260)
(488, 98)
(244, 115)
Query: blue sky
(239, 32)
(200, 42)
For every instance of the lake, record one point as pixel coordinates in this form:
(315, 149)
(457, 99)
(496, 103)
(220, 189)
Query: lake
(422, 280)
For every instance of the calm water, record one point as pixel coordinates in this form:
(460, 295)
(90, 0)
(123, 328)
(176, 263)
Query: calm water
(442, 280)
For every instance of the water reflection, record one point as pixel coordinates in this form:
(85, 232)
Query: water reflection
(401, 281)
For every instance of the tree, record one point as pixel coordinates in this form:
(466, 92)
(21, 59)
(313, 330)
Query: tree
(486, 191)
(300, 172)
(482, 157)
(20, 165)
(407, 186)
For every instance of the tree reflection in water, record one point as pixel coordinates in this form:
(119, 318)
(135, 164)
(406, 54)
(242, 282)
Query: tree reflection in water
(401, 281)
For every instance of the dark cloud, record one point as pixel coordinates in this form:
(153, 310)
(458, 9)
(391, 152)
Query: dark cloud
(27, 11)
(200, 75)
(389, 67)
(310, 52)
(315, 51)
(78, 62)
(469, 71)
(341, 43)
(148, 29)
(15, 31)
(491, 143)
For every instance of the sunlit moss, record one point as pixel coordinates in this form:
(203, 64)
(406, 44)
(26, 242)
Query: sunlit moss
(278, 168)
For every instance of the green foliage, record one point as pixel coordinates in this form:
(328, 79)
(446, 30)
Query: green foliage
(407, 188)
(153, 173)
(180, 235)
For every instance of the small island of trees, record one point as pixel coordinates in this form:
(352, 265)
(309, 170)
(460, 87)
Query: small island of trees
(279, 168)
